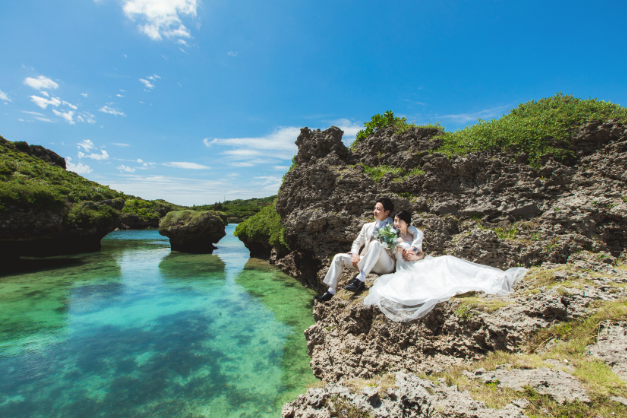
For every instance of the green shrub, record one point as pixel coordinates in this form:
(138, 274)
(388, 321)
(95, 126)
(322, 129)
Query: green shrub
(265, 225)
(378, 122)
(537, 128)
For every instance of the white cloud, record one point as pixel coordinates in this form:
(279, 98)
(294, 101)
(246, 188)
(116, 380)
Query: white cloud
(84, 94)
(111, 111)
(40, 82)
(86, 144)
(183, 42)
(42, 119)
(102, 156)
(43, 103)
(86, 117)
(147, 83)
(44, 93)
(119, 95)
(241, 164)
(68, 116)
(70, 105)
(161, 18)
(120, 145)
(139, 160)
(125, 168)
(77, 168)
(185, 191)
(482, 114)
(153, 77)
(32, 113)
(188, 166)
(279, 144)
(232, 53)
(4, 97)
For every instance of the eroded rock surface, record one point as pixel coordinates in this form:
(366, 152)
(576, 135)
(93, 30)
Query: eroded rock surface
(193, 231)
(611, 347)
(409, 397)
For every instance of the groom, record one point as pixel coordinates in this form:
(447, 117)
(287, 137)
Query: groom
(373, 257)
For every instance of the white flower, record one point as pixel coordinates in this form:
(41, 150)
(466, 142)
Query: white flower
(396, 240)
(394, 231)
(385, 245)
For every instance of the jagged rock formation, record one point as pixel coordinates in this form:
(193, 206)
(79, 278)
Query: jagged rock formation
(193, 232)
(465, 205)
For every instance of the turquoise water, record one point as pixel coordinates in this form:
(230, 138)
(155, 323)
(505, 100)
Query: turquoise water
(136, 330)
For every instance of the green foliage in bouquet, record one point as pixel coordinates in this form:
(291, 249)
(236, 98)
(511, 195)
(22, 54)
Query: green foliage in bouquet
(388, 236)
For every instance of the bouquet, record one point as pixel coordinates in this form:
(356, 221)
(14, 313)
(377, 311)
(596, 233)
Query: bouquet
(388, 236)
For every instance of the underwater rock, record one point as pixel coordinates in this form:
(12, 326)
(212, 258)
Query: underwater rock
(193, 231)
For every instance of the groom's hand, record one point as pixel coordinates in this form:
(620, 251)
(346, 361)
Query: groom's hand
(355, 260)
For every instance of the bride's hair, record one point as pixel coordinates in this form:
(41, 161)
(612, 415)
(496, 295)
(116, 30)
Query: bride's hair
(403, 215)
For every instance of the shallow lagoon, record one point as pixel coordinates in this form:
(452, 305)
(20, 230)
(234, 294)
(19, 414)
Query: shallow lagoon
(136, 330)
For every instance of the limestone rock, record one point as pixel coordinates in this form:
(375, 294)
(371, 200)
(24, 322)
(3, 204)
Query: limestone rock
(193, 231)
(410, 397)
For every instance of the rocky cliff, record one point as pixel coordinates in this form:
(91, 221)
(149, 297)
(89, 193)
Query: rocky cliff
(552, 197)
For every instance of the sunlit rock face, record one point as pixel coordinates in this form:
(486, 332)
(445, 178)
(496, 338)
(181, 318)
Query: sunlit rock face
(192, 231)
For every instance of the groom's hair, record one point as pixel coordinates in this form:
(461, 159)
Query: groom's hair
(387, 203)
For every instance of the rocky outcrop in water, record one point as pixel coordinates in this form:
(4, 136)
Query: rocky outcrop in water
(193, 231)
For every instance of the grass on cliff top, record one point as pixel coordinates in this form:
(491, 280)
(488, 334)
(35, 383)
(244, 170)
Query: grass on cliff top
(149, 209)
(265, 225)
(537, 128)
(29, 182)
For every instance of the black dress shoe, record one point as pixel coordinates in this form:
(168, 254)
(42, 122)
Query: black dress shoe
(355, 285)
(323, 298)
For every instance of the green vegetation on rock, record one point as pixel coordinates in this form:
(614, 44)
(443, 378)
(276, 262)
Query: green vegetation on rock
(266, 225)
(536, 128)
(30, 182)
(184, 217)
(385, 120)
(87, 215)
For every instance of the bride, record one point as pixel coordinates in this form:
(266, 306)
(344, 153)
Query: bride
(419, 282)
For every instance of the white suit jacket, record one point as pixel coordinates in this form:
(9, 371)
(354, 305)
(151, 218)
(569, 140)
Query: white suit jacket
(368, 229)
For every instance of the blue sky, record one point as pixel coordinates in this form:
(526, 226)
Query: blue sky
(193, 101)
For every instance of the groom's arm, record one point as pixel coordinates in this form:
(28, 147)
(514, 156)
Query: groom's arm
(359, 241)
(417, 242)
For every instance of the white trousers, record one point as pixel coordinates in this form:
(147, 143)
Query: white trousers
(376, 259)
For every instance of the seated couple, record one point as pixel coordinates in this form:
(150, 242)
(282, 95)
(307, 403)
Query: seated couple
(411, 284)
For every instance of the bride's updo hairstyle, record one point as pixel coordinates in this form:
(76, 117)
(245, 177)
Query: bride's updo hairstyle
(403, 215)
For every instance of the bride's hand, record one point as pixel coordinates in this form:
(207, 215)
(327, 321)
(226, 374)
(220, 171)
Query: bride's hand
(409, 255)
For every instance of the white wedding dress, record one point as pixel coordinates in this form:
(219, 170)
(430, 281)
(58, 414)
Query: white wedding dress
(417, 286)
